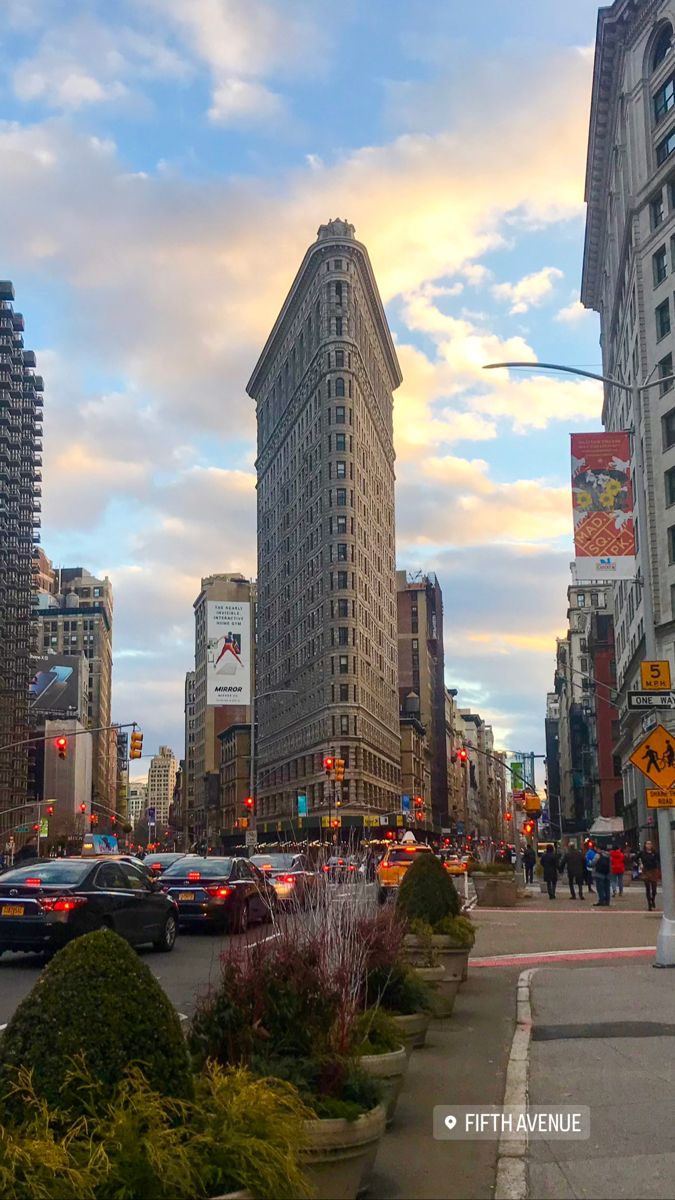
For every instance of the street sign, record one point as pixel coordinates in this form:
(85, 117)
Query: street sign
(460, 827)
(405, 804)
(325, 823)
(655, 676)
(302, 805)
(250, 838)
(660, 797)
(21, 828)
(650, 721)
(651, 700)
(370, 821)
(151, 814)
(655, 757)
(44, 827)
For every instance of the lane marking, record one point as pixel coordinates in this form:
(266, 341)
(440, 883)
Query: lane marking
(511, 1176)
(259, 941)
(543, 956)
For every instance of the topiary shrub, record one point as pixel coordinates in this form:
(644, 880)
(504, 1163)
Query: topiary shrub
(427, 892)
(97, 1001)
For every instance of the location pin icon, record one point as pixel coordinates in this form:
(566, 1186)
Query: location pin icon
(450, 1121)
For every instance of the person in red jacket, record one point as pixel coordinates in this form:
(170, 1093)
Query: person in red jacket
(617, 862)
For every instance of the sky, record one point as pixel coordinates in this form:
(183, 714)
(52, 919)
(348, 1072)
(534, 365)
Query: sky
(164, 166)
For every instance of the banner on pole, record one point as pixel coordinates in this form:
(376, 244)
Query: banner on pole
(602, 507)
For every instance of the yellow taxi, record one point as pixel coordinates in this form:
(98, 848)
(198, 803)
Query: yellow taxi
(394, 865)
(455, 864)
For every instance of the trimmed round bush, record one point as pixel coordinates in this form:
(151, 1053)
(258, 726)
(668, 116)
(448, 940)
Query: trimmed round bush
(427, 892)
(96, 1006)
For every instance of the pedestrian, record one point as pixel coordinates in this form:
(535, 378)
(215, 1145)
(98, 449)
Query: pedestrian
(549, 862)
(650, 864)
(601, 872)
(588, 864)
(529, 861)
(573, 860)
(26, 854)
(617, 862)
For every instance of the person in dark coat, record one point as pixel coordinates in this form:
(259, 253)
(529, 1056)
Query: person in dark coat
(650, 863)
(549, 862)
(574, 862)
(26, 854)
(529, 862)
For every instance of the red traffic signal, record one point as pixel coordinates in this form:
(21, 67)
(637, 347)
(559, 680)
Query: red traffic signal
(419, 802)
(328, 764)
(462, 754)
(61, 744)
(83, 807)
(248, 803)
(507, 816)
(36, 827)
(50, 810)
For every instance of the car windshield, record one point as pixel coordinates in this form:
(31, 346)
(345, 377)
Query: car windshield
(201, 868)
(52, 871)
(273, 862)
(162, 859)
(399, 856)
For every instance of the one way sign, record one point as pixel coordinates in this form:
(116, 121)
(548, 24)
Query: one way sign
(651, 700)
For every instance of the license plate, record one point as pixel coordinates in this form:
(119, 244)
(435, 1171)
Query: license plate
(186, 895)
(12, 910)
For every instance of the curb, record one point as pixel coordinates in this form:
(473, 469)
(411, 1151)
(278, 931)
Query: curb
(511, 1177)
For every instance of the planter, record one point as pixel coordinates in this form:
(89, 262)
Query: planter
(454, 958)
(442, 991)
(340, 1154)
(413, 1028)
(390, 1069)
(495, 891)
(235, 1196)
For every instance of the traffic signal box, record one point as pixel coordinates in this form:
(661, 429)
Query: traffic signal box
(136, 744)
(61, 744)
(339, 770)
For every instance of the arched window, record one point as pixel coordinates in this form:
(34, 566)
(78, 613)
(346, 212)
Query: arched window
(339, 386)
(662, 46)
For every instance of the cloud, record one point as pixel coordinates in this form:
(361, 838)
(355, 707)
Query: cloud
(529, 291)
(574, 313)
(235, 99)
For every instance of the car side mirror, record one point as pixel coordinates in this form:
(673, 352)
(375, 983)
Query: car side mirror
(155, 885)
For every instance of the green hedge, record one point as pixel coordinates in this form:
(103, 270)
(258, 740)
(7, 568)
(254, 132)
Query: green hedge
(98, 1003)
(427, 892)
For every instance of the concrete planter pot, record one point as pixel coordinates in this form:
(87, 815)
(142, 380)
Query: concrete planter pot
(413, 1028)
(495, 891)
(453, 957)
(390, 1069)
(442, 991)
(340, 1155)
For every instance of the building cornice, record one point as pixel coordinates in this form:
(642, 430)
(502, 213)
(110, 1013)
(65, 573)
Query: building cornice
(618, 26)
(326, 246)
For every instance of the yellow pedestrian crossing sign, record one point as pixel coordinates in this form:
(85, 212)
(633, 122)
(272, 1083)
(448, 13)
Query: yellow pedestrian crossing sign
(655, 757)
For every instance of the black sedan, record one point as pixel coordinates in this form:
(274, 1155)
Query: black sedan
(51, 901)
(159, 863)
(291, 875)
(226, 892)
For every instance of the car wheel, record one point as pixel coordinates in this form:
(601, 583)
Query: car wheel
(271, 908)
(242, 919)
(167, 939)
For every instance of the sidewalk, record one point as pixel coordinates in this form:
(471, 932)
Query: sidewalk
(605, 1036)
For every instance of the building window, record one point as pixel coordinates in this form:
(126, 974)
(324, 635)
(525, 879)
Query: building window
(665, 147)
(343, 636)
(340, 410)
(656, 212)
(344, 692)
(339, 359)
(668, 426)
(338, 326)
(337, 265)
(670, 486)
(659, 265)
(671, 543)
(340, 441)
(339, 387)
(342, 551)
(340, 470)
(662, 46)
(338, 293)
(665, 373)
(664, 99)
(344, 724)
(340, 497)
(581, 599)
(662, 318)
(343, 664)
(341, 525)
(342, 579)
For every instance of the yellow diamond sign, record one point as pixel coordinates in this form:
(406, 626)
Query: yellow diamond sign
(655, 757)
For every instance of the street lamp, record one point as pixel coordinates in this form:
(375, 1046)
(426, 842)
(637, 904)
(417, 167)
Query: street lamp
(665, 942)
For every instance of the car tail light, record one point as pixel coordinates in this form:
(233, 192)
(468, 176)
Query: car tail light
(351, 867)
(194, 874)
(62, 903)
(326, 867)
(220, 892)
(155, 866)
(33, 882)
(285, 879)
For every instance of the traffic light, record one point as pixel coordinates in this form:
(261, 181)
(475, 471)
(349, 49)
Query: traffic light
(461, 755)
(61, 743)
(83, 807)
(339, 769)
(113, 819)
(528, 827)
(328, 765)
(335, 823)
(508, 816)
(94, 818)
(36, 827)
(50, 810)
(136, 744)
(249, 803)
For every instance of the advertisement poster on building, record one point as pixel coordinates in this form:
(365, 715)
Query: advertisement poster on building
(228, 653)
(56, 685)
(602, 507)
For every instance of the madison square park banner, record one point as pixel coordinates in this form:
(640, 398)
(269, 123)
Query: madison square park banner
(228, 652)
(602, 506)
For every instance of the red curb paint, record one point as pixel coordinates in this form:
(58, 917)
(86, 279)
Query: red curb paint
(537, 959)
